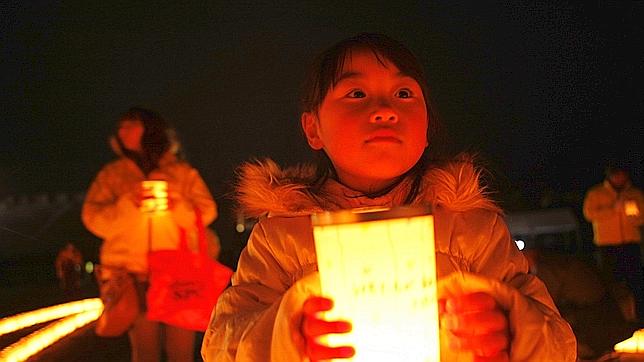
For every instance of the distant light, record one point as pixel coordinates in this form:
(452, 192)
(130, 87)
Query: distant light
(89, 267)
(240, 228)
(520, 244)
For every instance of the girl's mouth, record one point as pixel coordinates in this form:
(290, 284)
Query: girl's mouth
(383, 135)
(383, 140)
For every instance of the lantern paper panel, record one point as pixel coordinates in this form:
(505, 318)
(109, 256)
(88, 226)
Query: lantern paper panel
(381, 276)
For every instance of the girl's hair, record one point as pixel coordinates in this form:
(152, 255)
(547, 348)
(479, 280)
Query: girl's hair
(158, 138)
(324, 73)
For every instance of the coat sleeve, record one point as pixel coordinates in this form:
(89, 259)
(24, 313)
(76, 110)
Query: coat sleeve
(241, 326)
(538, 332)
(105, 212)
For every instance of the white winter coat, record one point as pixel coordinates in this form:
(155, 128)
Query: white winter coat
(257, 318)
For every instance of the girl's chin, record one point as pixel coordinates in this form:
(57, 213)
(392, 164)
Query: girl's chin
(388, 167)
(373, 180)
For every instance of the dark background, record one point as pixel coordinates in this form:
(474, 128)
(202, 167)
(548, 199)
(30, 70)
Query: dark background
(545, 93)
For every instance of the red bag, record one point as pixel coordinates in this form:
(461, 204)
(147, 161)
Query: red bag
(184, 285)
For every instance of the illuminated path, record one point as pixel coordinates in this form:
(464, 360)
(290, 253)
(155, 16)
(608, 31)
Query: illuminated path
(81, 344)
(65, 332)
(61, 332)
(84, 345)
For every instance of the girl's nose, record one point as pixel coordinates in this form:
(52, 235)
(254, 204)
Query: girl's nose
(384, 115)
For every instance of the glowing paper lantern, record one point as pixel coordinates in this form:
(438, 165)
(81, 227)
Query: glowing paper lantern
(155, 196)
(379, 268)
(635, 344)
(631, 209)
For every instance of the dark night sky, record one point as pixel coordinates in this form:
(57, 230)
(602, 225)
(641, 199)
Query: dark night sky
(545, 93)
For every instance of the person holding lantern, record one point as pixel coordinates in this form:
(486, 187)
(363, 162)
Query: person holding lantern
(614, 208)
(117, 207)
(367, 114)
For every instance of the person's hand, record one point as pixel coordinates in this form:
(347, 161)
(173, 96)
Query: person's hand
(475, 322)
(314, 327)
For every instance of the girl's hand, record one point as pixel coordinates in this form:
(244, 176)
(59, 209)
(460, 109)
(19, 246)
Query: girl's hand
(313, 327)
(475, 322)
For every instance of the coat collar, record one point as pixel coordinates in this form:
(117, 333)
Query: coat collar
(264, 188)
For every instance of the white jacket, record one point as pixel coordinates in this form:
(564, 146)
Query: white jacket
(110, 213)
(611, 225)
(257, 320)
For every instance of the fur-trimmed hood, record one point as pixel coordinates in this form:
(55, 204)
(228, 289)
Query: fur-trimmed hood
(264, 188)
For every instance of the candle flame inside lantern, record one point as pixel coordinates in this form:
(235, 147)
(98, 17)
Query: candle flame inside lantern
(379, 268)
(155, 196)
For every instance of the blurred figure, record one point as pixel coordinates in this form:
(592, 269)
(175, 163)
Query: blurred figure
(614, 208)
(596, 312)
(131, 220)
(68, 264)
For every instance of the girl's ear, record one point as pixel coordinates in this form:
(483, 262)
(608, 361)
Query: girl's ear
(310, 128)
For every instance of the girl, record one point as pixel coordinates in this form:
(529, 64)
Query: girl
(366, 113)
(147, 150)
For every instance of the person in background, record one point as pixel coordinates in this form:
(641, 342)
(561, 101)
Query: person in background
(147, 149)
(614, 207)
(593, 310)
(367, 114)
(69, 262)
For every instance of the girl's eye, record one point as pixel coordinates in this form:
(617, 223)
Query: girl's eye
(404, 93)
(356, 93)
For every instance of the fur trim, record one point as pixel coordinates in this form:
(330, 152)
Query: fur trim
(265, 188)
(457, 187)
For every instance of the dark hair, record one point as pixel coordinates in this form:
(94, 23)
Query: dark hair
(614, 168)
(157, 138)
(324, 73)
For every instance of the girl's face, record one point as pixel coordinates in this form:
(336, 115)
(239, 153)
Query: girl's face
(130, 133)
(372, 124)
